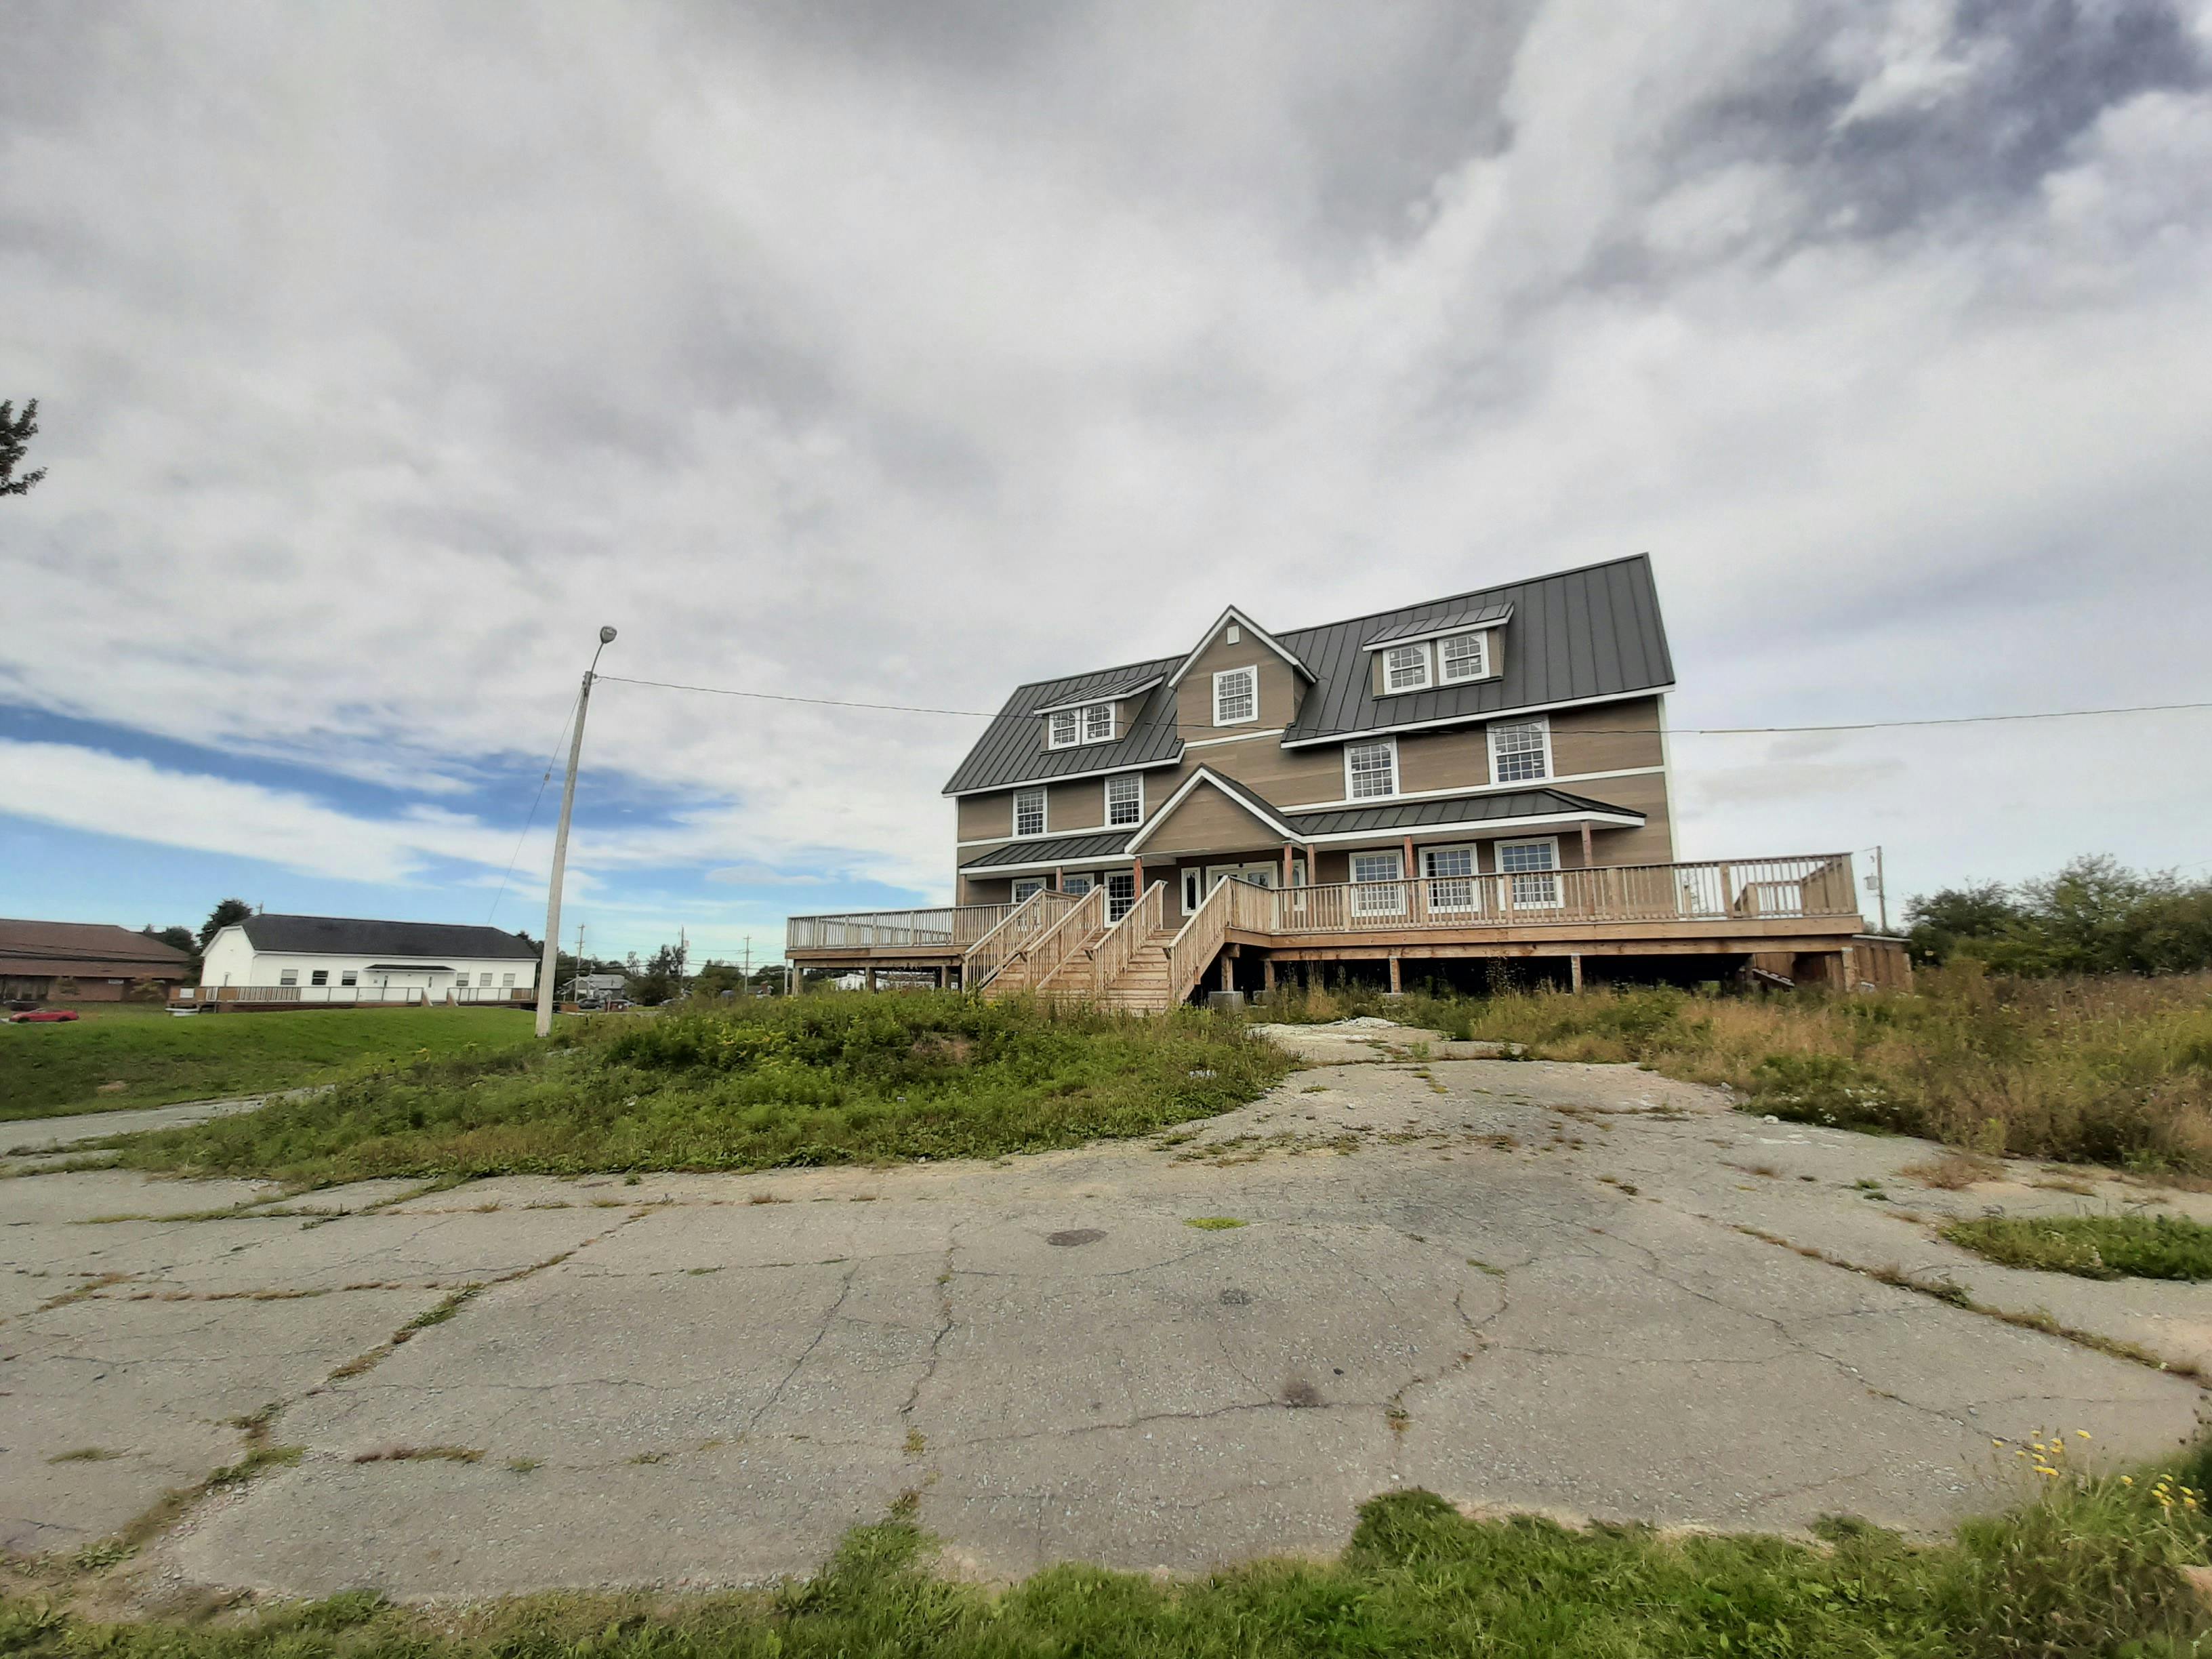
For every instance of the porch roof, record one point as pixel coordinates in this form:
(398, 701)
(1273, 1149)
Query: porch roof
(1053, 849)
(1516, 806)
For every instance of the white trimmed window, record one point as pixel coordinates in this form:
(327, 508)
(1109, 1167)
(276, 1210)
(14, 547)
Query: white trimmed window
(1463, 657)
(349, 977)
(1121, 893)
(1099, 723)
(1521, 751)
(1236, 695)
(1028, 812)
(1193, 889)
(1534, 868)
(1370, 769)
(1406, 668)
(1077, 883)
(1375, 890)
(1027, 887)
(1064, 731)
(1124, 800)
(288, 976)
(1450, 872)
(506, 981)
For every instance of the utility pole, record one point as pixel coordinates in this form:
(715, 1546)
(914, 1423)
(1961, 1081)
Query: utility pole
(1880, 890)
(552, 965)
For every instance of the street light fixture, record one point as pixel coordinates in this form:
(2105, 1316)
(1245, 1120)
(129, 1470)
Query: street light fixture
(551, 968)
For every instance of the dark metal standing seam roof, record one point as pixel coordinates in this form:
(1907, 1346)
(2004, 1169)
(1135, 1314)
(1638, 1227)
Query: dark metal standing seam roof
(349, 936)
(1053, 850)
(1466, 809)
(1594, 632)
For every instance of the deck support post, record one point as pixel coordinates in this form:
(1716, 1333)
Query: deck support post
(1575, 963)
(1267, 972)
(1396, 983)
(871, 977)
(1228, 971)
(944, 976)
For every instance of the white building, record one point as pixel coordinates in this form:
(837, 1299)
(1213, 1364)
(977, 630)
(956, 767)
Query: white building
(339, 959)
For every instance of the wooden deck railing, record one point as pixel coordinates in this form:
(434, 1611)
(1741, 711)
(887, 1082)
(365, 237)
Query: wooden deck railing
(1193, 949)
(952, 926)
(1048, 953)
(980, 963)
(1111, 954)
(1718, 890)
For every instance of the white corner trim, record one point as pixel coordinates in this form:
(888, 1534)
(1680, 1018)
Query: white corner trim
(1233, 615)
(1520, 712)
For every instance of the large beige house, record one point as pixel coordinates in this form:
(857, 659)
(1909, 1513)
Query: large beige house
(1481, 775)
(1516, 730)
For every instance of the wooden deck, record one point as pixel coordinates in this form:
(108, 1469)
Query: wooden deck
(1768, 908)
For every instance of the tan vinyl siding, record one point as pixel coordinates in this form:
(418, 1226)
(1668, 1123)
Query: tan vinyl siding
(1458, 759)
(1655, 843)
(1276, 774)
(982, 816)
(1209, 822)
(1281, 690)
(1606, 738)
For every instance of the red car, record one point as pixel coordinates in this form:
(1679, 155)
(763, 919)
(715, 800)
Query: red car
(42, 1017)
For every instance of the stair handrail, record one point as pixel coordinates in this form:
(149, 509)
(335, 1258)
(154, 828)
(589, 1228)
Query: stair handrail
(980, 963)
(1113, 953)
(1049, 952)
(1193, 948)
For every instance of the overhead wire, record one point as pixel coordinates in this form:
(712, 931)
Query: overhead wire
(536, 800)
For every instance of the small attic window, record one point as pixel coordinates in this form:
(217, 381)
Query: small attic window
(1235, 635)
(1092, 722)
(1062, 732)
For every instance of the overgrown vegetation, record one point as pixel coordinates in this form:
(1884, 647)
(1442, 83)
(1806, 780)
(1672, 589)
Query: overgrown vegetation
(46, 1070)
(2087, 1565)
(2110, 1070)
(2093, 917)
(2093, 1246)
(763, 1083)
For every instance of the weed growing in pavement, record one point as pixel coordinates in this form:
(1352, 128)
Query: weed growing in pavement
(2093, 1246)
(2083, 1564)
(807, 1080)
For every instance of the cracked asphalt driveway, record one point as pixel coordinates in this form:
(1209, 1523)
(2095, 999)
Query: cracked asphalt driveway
(1525, 1286)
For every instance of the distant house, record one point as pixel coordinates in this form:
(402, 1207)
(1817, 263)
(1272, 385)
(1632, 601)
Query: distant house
(598, 987)
(316, 959)
(83, 962)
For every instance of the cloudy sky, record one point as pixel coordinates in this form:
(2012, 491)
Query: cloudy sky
(900, 351)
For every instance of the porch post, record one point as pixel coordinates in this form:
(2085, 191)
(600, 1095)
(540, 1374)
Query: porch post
(1136, 879)
(1056, 885)
(1286, 867)
(1590, 858)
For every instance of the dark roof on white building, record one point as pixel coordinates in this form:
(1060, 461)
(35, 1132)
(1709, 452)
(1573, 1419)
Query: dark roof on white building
(348, 936)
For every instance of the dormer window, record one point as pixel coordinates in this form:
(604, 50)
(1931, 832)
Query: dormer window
(1236, 696)
(1406, 668)
(1463, 657)
(1091, 722)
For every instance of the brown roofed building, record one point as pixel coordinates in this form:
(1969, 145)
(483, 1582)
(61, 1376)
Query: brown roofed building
(84, 962)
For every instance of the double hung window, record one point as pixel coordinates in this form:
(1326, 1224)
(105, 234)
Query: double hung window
(1405, 668)
(1099, 723)
(1532, 868)
(1463, 657)
(1236, 696)
(1125, 800)
(1121, 893)
(1377, 889)
(1451, 874)
(1370, 769)
(1028, 812)
(1521, 751)
(1027, 887)
(1065, 731)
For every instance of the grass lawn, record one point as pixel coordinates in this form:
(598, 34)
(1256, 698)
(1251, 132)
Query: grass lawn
(2110, 1070)
(2086, 1566)
(2093, 1246)
(824, 1079)
(46, 1070)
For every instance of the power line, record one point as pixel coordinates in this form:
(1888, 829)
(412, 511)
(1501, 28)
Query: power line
(1672, 730)
(551, 761)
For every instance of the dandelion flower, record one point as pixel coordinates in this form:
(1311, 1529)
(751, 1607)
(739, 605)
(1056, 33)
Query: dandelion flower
(2127, 1480)
(2084, 1433)
(2045, 1469)
(1997, 1443)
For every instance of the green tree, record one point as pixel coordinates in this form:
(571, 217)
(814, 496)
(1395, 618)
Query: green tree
(1936, 921)
(17, 432)
(230, 910)
(178, 939)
